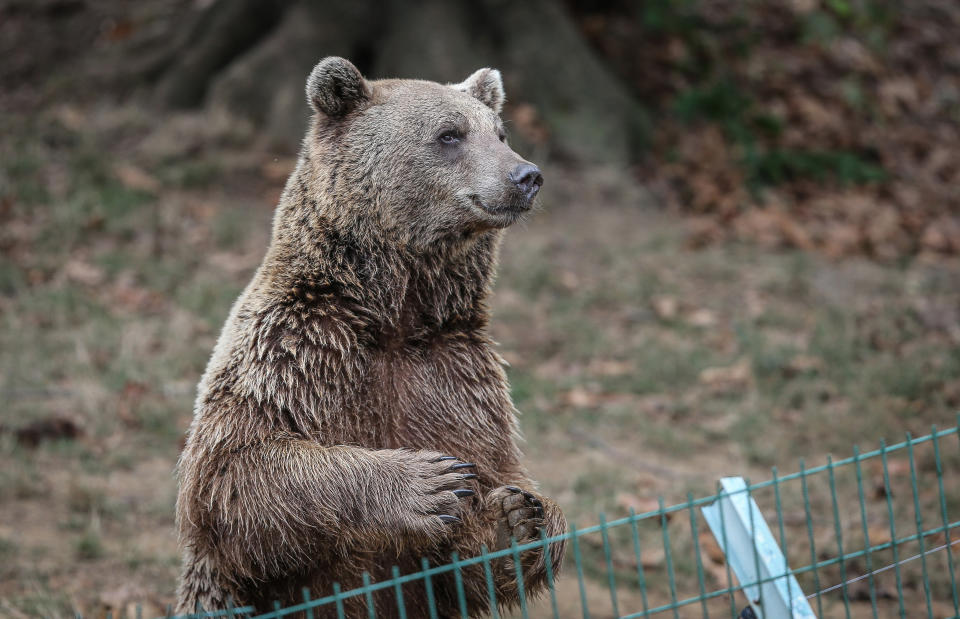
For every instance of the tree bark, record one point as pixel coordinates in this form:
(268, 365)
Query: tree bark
(255, 61)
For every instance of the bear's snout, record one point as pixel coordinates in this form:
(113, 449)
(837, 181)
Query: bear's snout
(527, 178)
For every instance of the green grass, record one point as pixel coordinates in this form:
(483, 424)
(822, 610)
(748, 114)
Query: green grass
(43, 601)
(89, 546)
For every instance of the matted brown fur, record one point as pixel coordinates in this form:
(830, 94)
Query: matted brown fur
(357, 357)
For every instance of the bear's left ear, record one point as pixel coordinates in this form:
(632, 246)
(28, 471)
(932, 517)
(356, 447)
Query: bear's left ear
(336, 87)
(485, 85)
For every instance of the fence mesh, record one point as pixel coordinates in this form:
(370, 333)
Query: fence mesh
(871, 535)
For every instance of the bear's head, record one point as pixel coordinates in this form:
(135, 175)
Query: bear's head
(420, 160)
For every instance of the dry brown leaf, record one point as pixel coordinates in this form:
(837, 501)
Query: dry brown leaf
(815, 114)
(885, 233)
(774, 228)
(136, 178)
(640, 505)
(896, 94)
(581, 398)
(665, 306)
(732, 378)
(842, 240)
(652, 558)
(72, 118)
(569, 280)
(56, 427)
(710, 547)
(802, 7)
(83, 272)
(878, 534)
(803, 364)
(703, 231)
(851, 53)
(610, 367)
(129, 402)
(702, 318)
(934, 238)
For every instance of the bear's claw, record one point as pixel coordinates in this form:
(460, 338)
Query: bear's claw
(522, 516)
(448, 494)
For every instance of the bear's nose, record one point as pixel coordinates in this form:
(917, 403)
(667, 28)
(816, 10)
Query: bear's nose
(527, 178)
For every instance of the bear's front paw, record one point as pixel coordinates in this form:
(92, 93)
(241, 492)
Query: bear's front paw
(519, 515)
(441, 490)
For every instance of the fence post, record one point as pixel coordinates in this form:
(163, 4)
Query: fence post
(753, 553)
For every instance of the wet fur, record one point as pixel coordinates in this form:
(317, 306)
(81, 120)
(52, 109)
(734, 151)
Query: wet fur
(356, 358)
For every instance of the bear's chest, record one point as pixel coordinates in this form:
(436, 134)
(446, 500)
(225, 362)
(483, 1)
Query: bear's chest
(444, 396)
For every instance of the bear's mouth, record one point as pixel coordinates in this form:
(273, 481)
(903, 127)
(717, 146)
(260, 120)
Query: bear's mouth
(510, 209)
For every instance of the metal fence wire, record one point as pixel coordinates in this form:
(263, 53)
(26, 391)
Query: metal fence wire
(872, 535)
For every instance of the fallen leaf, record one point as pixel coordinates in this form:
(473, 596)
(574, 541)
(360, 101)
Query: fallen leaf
(48, 429)
(736, 377)
(610, 367)
(652, 558)
(665, 307)
(896, 94)
(129, 402)
(878, 534)
(569, 280)
(702, 318)
(83, 272)
(640, 505)
(581, 398)
(803, 364)
(136, 178)
(710, 547)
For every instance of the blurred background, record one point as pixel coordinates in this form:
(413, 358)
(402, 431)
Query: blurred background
(747, 252)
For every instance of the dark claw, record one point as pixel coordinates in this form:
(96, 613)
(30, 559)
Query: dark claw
(540, 513)
(462, 492)
(529, 496)
(468, 476)
(448, 519)
(442, 458)
(462, 465)
(513, 489)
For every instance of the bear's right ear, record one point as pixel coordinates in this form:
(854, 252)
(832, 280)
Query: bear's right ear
(485, 85)
(336, 87)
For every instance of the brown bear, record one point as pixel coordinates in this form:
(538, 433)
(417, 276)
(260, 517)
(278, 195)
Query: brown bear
(355, 415)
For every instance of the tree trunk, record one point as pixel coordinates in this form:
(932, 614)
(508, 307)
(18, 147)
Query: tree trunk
(253, 61)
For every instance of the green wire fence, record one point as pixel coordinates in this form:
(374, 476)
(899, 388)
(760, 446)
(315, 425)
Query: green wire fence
(872, 535)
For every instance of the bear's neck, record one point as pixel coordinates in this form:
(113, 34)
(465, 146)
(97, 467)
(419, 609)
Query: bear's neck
(396, 293)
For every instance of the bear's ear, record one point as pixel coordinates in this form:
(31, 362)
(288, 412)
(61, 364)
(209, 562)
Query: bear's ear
(486, 85)
(336, 87)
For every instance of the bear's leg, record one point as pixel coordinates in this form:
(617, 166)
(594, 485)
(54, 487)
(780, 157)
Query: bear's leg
(201, 586)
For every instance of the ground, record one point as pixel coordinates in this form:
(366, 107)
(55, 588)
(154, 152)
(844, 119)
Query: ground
(642, 367)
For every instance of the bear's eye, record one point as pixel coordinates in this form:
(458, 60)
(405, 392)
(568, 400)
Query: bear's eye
(449, 137)
(502, 136)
